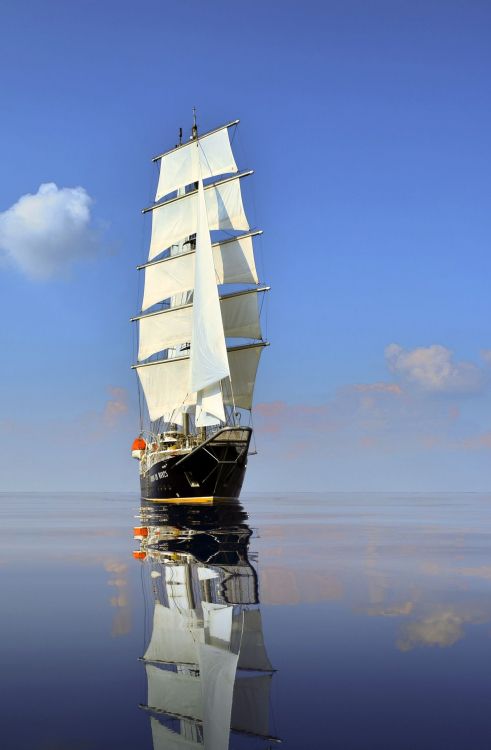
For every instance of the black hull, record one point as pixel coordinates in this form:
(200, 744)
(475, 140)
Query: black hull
(213, 470)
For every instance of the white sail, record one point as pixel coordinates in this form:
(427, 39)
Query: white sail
(167, 328)
(243, 370)
(164, 738)
(233, 261)
(218, 619)
(207, 574)
(217, 671)
(178, 168)
(185, 296)
(209, 406)
(161, 331)
(165, 383)
(166, 386)
(252, 649)
(181, 695)
(240, 315)
(174, 693)
(179, 588)
(250, 710)
(209, 362)
(175, 636)
(197, 321)
(177, 219)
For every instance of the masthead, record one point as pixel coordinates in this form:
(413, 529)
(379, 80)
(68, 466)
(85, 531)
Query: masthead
(194, 131)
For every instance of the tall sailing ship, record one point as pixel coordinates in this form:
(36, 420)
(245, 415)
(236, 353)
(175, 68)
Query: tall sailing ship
(199, 332)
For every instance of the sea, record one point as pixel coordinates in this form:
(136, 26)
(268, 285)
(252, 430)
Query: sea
(323, 620)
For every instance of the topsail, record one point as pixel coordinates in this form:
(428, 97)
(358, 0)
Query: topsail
(177, 218)
(179, 167)
(233, 260)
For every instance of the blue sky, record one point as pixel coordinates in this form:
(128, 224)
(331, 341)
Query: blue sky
(368, 127)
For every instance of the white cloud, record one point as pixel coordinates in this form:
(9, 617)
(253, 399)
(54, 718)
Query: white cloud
(386, 417)
(380, 417)
(44, 232)
(439, 629)
(443, 627)
(434, 369)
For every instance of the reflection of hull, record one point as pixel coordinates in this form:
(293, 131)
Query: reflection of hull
(215, 469)
(214, 534)
(219, 517)
(215, 531)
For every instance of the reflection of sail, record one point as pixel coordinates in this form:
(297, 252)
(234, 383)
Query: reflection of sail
(252, 650)
(217, 668)
(179, 694)
(166, 739)
(250, 709)
(175, 636)
(206, 630)
(174, 692)
(218, 619)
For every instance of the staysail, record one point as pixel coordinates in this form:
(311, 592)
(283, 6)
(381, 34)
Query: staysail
(197, 367)
(208, 361)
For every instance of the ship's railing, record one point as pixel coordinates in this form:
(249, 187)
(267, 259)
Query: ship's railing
(158, 449)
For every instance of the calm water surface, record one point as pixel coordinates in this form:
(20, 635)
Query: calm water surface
(324, 621)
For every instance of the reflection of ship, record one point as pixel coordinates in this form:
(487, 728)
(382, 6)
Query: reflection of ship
(207, 667)
(199, 331)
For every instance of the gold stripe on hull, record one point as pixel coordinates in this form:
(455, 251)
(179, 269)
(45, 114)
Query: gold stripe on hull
(188, 500)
